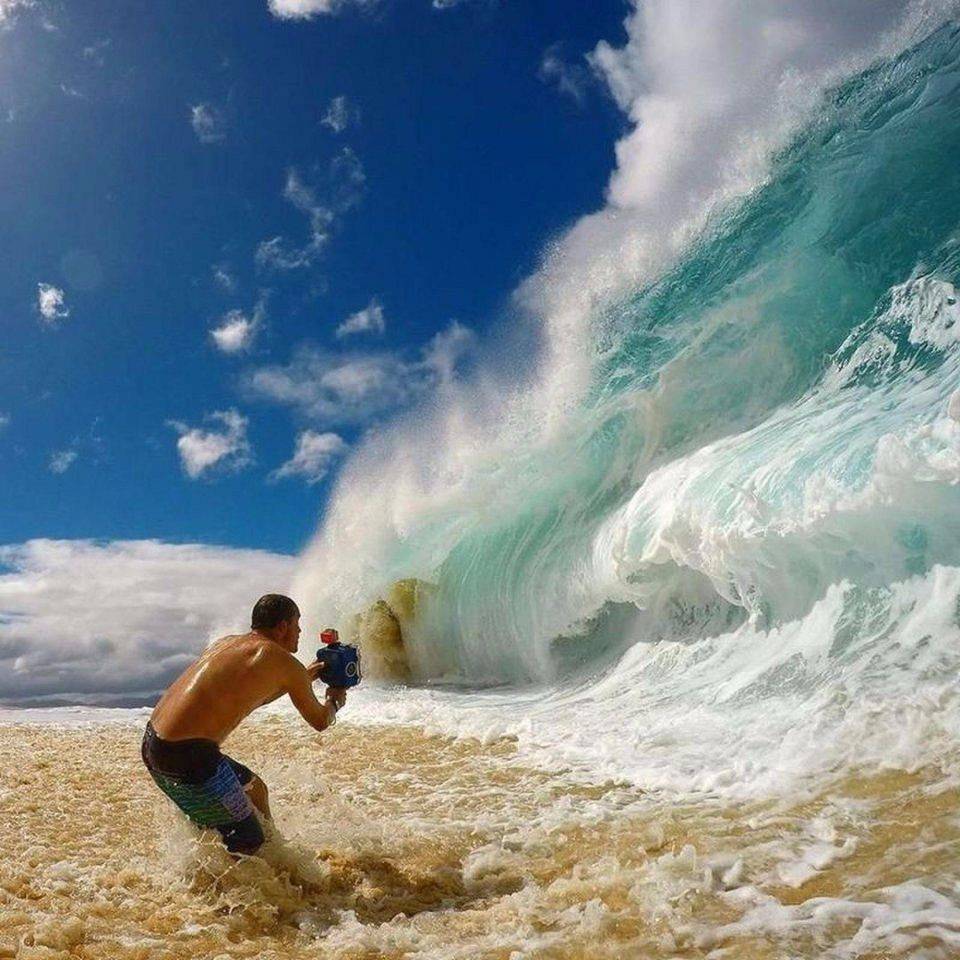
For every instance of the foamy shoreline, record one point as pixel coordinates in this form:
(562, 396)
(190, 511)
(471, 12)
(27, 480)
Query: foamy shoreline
(402, 844)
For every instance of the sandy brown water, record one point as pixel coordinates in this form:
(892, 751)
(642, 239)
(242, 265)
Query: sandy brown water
(399, 844)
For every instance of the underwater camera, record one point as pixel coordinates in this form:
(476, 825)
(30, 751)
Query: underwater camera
(341, 661)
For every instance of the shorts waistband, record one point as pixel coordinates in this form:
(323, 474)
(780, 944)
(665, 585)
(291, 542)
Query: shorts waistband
(191, 761)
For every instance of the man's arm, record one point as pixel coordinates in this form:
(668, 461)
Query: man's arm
(276, 696)
(313, 671)
(298, 683)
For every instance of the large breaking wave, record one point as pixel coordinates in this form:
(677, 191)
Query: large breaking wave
(749, 508)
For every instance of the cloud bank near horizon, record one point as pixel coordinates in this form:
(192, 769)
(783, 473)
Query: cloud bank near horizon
(80, 617)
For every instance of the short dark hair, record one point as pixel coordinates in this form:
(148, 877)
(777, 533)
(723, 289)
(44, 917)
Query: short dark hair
(271, 609)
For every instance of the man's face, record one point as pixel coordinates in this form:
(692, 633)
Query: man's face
(291, 635)
(289, 639)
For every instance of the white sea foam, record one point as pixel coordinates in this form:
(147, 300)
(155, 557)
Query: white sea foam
(866, 680)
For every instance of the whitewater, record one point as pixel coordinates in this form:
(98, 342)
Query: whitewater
(661, 624)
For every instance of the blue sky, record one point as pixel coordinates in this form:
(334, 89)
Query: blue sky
(169, 170)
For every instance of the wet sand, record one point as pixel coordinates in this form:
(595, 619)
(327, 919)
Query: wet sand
(399, 844)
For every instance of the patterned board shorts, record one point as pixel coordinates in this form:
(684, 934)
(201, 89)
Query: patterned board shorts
(206, 785)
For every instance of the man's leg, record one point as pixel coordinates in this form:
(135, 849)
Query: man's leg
(252, 785)
(257, 792)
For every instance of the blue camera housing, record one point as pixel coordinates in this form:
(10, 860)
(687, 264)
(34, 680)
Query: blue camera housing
(341, 665)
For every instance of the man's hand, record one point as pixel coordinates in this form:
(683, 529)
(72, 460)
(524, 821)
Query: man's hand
(313, 670)
(338, 695)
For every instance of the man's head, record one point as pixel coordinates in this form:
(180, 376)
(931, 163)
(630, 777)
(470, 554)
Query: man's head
(278, 618)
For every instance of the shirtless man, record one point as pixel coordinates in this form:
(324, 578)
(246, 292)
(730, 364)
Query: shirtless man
(234, 676)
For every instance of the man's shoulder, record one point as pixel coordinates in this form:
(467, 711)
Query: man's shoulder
(265, 652)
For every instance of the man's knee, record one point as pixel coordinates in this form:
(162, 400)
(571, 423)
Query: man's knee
(256, 788)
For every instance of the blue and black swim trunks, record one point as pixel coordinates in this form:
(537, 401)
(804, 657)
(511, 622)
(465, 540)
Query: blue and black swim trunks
(206, 785)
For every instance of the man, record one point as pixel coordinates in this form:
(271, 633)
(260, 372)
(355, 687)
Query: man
(233, 676)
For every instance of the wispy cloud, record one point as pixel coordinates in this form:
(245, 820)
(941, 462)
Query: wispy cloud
(89, 445)
(51, 303)
(237, 331)
(62, 460)
(224, 278)
(344, 189)
(208, 122)
(569, 78)
(313, 457)
(226, 450)
(279, 253)
(72, 92)
(95, 51)
(308, 9)
(145, 610)
(349, 388)
(450, 4)
(4, 420)
(340, 114)
(370, 319)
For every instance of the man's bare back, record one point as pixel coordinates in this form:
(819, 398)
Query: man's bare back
(200, 709)
(232, 677)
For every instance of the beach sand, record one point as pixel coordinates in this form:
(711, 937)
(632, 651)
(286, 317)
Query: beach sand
(399, 844)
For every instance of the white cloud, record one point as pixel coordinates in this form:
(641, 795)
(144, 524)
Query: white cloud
(62, 460)
(313, 456)
(340, 114)
(227, 449)
(355, 387)
(570, 79)
(208, 122)
(51, 302)
(8, 9)
(368, 320)
(345, 182)
(237, 331)
(4, 420)
(307, 9)
(82, 617)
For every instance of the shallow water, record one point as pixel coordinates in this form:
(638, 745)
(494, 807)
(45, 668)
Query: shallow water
(401, 844)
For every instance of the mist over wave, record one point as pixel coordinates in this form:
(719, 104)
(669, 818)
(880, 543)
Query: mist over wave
(739, 500)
